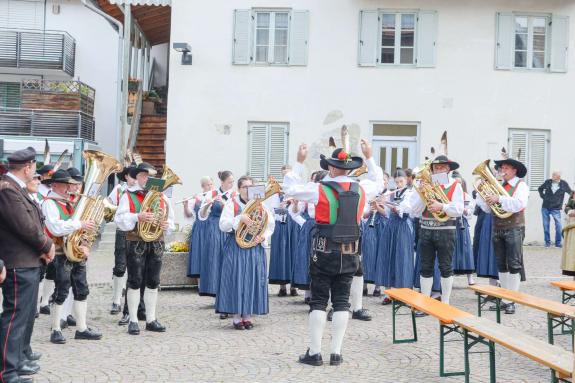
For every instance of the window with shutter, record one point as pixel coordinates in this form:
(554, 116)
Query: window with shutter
(9, 95)
(268, 149)
(22, 14)
(532, 148)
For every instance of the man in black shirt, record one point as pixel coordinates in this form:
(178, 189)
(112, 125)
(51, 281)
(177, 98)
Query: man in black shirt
(553, 193)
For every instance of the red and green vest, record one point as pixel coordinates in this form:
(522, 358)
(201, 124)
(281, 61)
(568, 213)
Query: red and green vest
(136, 198)
(449, 190)
(66, 209)
(328, 204)
(516, 219)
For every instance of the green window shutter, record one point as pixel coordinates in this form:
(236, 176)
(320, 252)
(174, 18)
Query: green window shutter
(9, 95)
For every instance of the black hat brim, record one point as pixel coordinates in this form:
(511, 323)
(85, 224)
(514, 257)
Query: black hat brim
(452, 164)
(521, 169)
(69, 181)
(354, 163)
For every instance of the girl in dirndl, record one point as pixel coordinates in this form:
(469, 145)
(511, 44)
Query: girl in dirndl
(463, 262)
(243, 289)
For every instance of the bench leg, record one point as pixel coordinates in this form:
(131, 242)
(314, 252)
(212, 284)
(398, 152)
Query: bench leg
(564, 323)
(396, 306)
(498, 304)
(567, 296)
(443, 331)
(550, 329)
(467, 347)
(492, 377)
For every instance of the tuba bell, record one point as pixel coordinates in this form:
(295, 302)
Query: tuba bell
(155, 202)
(430, 191)
(246, 235)
(91, 206)
(487, 185)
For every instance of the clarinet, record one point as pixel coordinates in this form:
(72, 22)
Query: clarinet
(373, 215)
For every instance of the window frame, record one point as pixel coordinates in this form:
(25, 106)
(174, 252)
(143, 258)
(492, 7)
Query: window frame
(547, 53)
(271, 35)
(268, 125)
(397, 37)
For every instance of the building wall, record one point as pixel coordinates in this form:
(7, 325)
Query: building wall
(462, 94)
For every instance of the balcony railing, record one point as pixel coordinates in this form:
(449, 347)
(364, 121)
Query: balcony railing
(38, 50)
(48, 123)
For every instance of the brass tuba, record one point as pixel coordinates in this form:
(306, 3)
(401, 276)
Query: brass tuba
(152, 231)
(91, 205)
(430, 191)
(487, 185)
(246, 235)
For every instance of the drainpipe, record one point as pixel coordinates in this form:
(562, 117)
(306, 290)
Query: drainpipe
(120, 113)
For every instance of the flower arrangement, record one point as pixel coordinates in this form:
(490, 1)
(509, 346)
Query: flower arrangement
(344, 156)
(178, 247)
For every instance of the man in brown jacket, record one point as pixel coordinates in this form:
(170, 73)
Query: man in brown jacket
(24, 246)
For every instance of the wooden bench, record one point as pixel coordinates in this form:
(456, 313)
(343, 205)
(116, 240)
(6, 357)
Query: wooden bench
(478, 330)
(558, 314)
(443, 312)
(566, 288)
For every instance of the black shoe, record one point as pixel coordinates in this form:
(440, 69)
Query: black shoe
(141, 315)
(63, 324)
(33, 356)
(133, 328)
(361, 315)
(377, 293)
(155, 326)
(57, 338)
(239, 326)
(28, 368)
(71, 320)
(335, 359)
(45, 310)
(282, 293)
(502, 306)
(125, 320)
(330, 315)
(420, 314)
(307, 300)
(224, 316)
(88, 334)
(510, 308)
(115, 309)
(312, 360)
(293, 292)
(365, 292)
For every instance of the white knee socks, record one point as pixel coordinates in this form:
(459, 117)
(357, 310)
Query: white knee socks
(317, 319)
(118, 285)
(80, 310)
(446, 285)
(47, 291)
(513, 281)
(133, 302)
(356, 293)
(55, 313)
(338, 326)
(426, 285)
(150, 300)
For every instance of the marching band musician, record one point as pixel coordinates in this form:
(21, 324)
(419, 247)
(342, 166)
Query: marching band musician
(58, 211)
(243, 289)
(436, 238)
(144, 259)
(508, 233)
(45, 173)
(340, 204)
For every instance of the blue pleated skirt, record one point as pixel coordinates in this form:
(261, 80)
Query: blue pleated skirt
(243, 285)
(211, 256)
(196, 245)
(369, 244)
(463, 262)
(280, 254)
(302, 254)
(395, 267)
(417, 274)
(486, 265)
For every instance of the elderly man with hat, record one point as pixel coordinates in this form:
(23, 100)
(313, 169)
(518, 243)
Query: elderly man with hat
(437, 237)
(508, 233)
(25, 247)
(144, 259)
(340, 202)
(59, 210)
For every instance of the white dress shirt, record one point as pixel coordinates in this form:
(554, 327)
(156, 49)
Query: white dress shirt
(116, 192)
(206, 206)
(229, 221)
(57, 226)
(415, 206)
(512, 204)
(44, 189)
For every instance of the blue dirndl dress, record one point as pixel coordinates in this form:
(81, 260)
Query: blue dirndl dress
(196, 244)
(463, 262)
(486, 265)
(397, 264)
(369, 246)
(280, 252)
(302, 254)
(212, 253)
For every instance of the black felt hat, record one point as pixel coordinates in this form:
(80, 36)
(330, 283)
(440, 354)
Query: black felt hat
(60, 176)
(122, 175)
(341, 160)
(143, 167)
(75, 174)
(444, 160)
(45, 169)
(517, 165)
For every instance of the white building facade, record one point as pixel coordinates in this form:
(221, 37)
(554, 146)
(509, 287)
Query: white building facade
(269, 75)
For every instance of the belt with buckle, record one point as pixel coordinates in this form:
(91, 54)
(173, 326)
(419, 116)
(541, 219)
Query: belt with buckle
(324, 245)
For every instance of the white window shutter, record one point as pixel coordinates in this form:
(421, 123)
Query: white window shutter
(258, 157)
(278, 141)
(426, 38)
(559, 43)
(504, 40)
(299, 38)
(22, 14)
(518, 145)
(241, 53)
(368, 33)
(537, 166)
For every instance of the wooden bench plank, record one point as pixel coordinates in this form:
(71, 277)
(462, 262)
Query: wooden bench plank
(551, 356)
(552, 307)
(444, 312)
(564, 285)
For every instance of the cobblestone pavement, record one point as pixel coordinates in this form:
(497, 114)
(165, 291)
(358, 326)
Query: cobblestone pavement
(199, 347)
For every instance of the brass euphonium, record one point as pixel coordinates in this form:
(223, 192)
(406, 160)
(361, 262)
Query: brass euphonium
(91, 205)
(487, 185)
(155, 202)
(430, 191)
(246, 235)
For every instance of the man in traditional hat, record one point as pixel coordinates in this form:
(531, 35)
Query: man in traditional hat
(25, 247)
(437, 238)
(340, 203)
(45, 173)
(144, 259)
(508, 233)
(58, 211)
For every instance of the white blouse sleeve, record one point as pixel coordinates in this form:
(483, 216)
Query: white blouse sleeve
(227, 220)
(519, 200)
(124, 219)
(58, 227)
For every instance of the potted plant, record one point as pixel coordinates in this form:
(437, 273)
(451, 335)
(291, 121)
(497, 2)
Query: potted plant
(149, 102)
